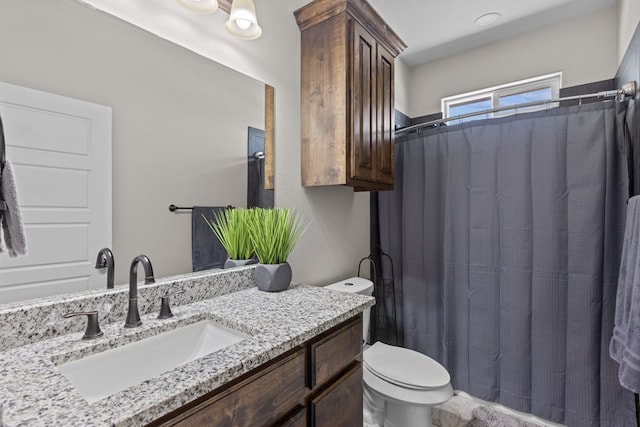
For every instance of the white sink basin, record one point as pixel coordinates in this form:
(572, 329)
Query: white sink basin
(103, 374)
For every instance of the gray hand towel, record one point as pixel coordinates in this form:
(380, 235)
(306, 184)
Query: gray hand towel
(625, 343)
(206, 250)
(12, 227)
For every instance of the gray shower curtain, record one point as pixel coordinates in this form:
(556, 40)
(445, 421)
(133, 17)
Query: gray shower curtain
(506, 235)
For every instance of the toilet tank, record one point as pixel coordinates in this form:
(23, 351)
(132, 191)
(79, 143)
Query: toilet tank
(357, 285)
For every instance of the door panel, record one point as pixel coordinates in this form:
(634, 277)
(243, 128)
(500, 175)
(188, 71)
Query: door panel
(38, 129)
(42, 187)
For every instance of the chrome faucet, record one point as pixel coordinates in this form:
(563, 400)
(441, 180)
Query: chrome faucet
(105, 260)
(133, 316)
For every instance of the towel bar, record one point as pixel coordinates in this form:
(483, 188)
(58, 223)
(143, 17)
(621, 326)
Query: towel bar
(174, 208)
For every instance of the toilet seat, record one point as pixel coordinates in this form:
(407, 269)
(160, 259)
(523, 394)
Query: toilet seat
(404, 367)
(405, 376)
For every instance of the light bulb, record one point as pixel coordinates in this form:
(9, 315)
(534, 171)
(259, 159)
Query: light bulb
(242, 20)
(243, 24)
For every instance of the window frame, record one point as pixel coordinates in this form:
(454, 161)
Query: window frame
(495, 93)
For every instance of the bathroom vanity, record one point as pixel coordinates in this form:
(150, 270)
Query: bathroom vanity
(316, 384)
(298, 365)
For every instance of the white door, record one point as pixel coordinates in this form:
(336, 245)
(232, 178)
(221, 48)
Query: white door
(60, 149)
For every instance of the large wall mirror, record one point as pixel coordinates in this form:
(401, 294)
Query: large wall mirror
(180, 123)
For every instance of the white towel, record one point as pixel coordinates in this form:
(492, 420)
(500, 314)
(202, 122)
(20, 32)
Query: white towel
(12, 227)
(625, 343)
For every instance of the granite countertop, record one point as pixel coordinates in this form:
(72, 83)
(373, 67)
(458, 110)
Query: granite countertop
(34, 393)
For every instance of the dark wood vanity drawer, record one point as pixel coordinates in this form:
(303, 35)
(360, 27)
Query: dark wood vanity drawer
(334, 351)
(257, 400)
(297, 419)
(340, 404)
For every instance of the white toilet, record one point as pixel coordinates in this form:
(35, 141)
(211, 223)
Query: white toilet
(400, 385)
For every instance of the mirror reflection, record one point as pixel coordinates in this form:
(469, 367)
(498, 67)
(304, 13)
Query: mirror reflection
(179, 133)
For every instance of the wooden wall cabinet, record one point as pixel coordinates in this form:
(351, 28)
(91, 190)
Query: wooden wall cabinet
(318, 384)
(347, 95)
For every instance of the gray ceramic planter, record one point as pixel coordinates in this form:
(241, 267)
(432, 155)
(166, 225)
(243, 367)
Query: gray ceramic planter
(232, 263)
(273, 277)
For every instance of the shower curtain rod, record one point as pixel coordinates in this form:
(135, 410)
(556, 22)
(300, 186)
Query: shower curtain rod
(628, 90)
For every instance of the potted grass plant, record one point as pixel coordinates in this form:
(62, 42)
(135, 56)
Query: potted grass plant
(274, 233)
(231, 228)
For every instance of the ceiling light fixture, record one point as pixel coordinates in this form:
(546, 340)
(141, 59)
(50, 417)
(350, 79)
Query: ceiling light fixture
(242, 20)
(200, 6)
(488, 19)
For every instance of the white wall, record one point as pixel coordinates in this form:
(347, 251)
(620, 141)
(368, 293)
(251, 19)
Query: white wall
(628, 20)
(402, 92)
(584, 49)
(339, 233)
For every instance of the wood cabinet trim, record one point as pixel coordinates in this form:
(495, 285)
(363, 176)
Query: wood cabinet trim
(317, 11)
(373, 23)
(269, 138)
(320, 10)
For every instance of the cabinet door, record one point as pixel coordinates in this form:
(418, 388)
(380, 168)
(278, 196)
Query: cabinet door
(383, 165)
(340, 405)
(363, 104)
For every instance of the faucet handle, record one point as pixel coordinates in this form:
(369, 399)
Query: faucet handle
(93, 327)
(165, 309)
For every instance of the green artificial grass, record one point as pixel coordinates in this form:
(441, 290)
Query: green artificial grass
(232, 229)
(274, 233)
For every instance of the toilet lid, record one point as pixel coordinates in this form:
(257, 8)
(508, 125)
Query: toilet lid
(404, 367)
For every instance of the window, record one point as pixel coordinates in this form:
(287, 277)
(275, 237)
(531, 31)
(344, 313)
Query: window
(535, 89)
